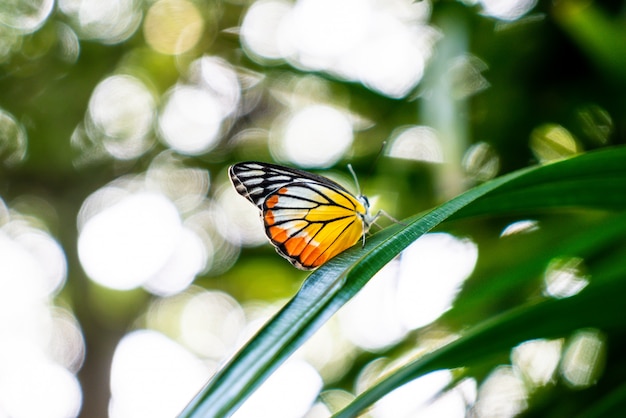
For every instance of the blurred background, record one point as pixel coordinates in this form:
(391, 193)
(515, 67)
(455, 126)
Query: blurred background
(129, 267)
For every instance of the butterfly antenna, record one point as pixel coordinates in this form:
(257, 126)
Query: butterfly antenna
(380, 153)
(371, 168)
(356, 180)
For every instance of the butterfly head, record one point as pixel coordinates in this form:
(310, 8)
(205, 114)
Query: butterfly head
(366, 216)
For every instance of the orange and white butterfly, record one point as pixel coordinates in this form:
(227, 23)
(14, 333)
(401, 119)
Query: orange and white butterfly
(308, 218)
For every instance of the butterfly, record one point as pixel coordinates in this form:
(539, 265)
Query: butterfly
(308, 218)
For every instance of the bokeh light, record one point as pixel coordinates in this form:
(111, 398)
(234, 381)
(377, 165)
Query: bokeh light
(383, 45)
(330, 351)
(148, 366)
(432, 271)
(14, 140)
(583, 358)
(419, 143)
(56, 389)
(185, 186)
(409, 293)
(26, 17)
(191, 121)
(315, 136)
(173, 26)
(189, 258)
(128, 242)
(49, 253)
(481, 162)
(424, 397)
(137, 238)
(324, 30)
(69, 45)
(374, 329)
(260, 29)
(109, 22)
(34, 264)
(297, 378)
(218, 77)
(507, 9)
(66, 347)
(538, 361)
(551, 142)
(565, 277)
(210, 324)
(466, 76)
(520, 227)
(240, 222)
(42, 346)
(120, 116)
(207, 221)
(596, 123)
(502, 394)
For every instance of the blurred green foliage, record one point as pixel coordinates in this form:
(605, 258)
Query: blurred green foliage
(562, 64)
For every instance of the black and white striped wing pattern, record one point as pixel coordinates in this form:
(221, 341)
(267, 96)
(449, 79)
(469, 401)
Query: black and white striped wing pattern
(255, 181)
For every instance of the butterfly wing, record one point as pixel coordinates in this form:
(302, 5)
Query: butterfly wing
(310, 223)
(308, 218)
(255, 181)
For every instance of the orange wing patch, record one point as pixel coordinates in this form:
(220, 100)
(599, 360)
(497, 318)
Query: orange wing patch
(272, 201)
(296, 245)
(311, 223)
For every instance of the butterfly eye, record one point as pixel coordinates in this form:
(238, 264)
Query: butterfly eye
(365, 201)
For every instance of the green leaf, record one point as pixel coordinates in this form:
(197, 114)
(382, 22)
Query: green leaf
(602, 173)
(600, 305)
(598, 33)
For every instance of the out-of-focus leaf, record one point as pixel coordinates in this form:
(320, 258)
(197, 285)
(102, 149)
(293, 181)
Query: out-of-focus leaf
(601, 36)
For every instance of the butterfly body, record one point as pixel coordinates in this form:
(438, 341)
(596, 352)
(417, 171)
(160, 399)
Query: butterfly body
(308, 218)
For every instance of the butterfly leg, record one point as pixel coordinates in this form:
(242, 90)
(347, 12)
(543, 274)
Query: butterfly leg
(386, 215)
(365, 229)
